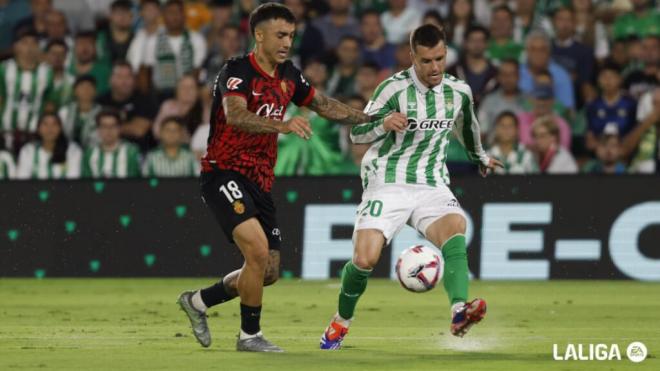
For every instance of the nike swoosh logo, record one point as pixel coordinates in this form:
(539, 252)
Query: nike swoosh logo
(256, 94)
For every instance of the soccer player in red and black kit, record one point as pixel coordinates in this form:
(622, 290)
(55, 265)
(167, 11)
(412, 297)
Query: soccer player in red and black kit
(251, 94)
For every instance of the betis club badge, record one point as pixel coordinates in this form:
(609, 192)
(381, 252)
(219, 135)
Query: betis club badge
(239, 207)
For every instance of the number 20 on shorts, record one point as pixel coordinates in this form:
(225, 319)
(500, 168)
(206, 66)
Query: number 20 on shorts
(373, 208)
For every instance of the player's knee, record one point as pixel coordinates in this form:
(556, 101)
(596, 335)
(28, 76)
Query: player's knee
(456, 225)
(258, 254)
(364, 261)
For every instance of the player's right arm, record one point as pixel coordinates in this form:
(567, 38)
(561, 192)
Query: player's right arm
(384, 107)
(232, 85)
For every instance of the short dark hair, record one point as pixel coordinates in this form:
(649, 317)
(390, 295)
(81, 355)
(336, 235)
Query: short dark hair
(87, 34)
(23, 32)
(511, 61)
(609, 66)
(57, 42)
(108, 112)
(563, 9)
(176, 119)
(84, 78)
(178, 3)
(145, 2)
(426, 35)
(369, 12)
(432, 13)
(507, 113)
(121, 4)
(504, 8)
(476, 28)
(371, 65)
(122, 63)
(349, 38)
(268, 11)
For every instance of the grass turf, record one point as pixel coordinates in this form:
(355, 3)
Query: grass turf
(119, 324)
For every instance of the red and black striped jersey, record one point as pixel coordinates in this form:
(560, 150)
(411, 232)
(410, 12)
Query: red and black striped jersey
(252, 154)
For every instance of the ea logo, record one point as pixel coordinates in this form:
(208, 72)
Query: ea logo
(636, 352)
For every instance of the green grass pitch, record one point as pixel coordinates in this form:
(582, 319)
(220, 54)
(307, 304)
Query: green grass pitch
(124, 324)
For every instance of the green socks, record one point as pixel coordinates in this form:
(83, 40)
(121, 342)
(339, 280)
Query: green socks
(353, 284)
(455, 277)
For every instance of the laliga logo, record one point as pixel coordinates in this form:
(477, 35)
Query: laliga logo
(636, 352)
(429, 124)
(270, 111)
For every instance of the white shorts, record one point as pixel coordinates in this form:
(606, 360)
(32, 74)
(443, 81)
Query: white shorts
(388, 207)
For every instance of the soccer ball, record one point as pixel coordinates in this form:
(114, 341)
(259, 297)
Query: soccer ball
(419, 268)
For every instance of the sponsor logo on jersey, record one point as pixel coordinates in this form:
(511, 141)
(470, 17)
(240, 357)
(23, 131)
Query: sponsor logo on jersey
(268, 110)
(233, 83)
(429, 124)
(239, 207)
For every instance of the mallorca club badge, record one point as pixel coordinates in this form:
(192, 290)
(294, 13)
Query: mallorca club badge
(239, 207)
(283, 86)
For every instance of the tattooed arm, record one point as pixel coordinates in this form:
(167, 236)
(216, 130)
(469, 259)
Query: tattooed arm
(238, 115)
(334, 110)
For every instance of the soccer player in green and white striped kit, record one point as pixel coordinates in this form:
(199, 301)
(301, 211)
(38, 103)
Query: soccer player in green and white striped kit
(406, 181)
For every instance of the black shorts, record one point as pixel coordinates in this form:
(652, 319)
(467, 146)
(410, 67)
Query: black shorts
(233, 199)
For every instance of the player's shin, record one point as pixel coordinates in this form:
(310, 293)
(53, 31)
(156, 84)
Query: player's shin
(455, 277)
(353, 285)
(219, 292)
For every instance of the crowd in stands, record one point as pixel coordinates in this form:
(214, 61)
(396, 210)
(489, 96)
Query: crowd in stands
(121, 88)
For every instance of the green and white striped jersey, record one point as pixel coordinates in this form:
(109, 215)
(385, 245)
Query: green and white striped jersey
(159, 164)
(7, 166)
(23, 95)
(418, 155)
(34, 163)
(80, 126)
(122, 162)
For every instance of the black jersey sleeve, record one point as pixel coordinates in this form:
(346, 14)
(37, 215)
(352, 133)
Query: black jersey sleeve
(233, 79)
(304, 92)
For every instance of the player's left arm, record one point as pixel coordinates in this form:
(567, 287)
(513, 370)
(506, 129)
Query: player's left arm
(337, 111)
(467, 132)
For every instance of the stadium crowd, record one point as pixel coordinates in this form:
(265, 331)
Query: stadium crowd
(103, 89)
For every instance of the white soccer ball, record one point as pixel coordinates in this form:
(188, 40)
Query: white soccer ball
(419, 268)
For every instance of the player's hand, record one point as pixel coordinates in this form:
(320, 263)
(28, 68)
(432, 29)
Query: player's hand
(395, 121)
(298, 126)
(492, 165)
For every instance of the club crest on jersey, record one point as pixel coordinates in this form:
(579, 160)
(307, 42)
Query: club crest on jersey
(233, 83)
(239, 207)
(429, 124)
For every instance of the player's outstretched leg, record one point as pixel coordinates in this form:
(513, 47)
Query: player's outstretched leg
(196, 303)
(369, 243)
(448, 233)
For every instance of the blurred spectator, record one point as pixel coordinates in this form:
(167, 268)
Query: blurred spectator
(613, 111)
(501, 45)
(112, 43)
(434, 18)
(36, 21)
(308, 41)
(460, 19)
(136, 111)
(367, 80)
(403, 57)
(643, 142)
(473, 66)
(550, 156)
(172, 158)
(644, 20)
(442, 7)
(589, 30)
(112, 157)
(229, 44)
(356, 151)
(56, 29)
(619, 55)
(375, 48)
(186, 105)
(645, 78)
(542, 103)
(52, 155)
(79, 13)
(576, 58)
(506, 148)
(11, 11)
(608, 155)
(401, 19)
(198, 14)
(506, 98)
(7, 164)
(85, 61)
(528, 18)
(537, 48)
(221, 16)
(79, 117)
(337, 24)
(316, 73)
(342, 78)
(56, 55)
(145, 38)
(177, 51)
(199, 140)
(26, 90)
